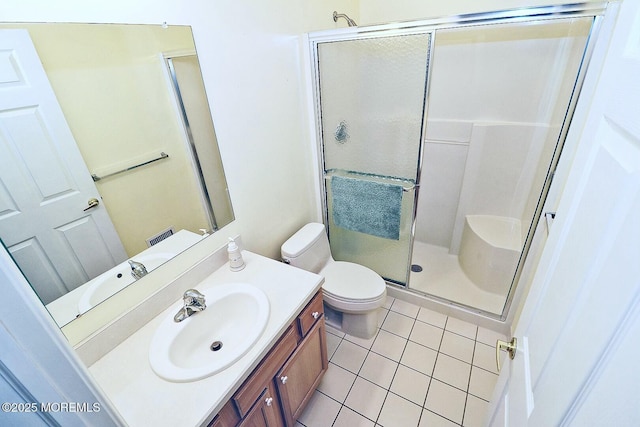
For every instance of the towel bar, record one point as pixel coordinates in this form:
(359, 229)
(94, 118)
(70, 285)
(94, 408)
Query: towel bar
(405, 189)
(97, 178)
(413, 187)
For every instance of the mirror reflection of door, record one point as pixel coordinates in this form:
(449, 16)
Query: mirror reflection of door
(112, 85)
(46, 221)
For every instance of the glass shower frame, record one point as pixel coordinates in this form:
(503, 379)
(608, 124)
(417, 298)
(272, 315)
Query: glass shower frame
(537, 14)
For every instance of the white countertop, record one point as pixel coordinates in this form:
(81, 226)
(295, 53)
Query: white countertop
(144, 399)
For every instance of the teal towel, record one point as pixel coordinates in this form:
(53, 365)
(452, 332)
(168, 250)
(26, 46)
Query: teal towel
(366, 206)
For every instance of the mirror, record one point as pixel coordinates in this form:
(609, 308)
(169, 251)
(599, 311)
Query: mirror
(125, 165)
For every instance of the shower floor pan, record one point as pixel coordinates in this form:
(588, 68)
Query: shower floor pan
(443, 277)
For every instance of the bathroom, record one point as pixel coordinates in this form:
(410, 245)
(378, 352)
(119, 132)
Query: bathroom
(256, 42)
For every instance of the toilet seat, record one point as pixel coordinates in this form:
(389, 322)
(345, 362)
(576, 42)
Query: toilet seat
(352, 287)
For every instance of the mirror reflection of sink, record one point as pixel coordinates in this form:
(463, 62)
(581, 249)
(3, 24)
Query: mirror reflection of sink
(210, 340)
(116, 279)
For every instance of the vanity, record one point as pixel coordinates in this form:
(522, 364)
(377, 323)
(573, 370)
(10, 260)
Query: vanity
(269, 385)
(277, 391)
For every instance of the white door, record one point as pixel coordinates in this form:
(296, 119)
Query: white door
(578, 338)
(44, 183)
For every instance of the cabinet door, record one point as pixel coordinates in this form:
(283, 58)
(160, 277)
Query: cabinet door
(266, 412)
(299, 377)
(227, 417)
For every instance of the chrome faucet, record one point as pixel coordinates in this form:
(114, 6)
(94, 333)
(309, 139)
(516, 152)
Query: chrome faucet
(138, 269)
(193, 302)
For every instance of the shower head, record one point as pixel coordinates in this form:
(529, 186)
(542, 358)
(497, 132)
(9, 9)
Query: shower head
(350, 21)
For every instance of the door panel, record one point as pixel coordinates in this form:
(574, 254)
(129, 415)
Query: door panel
(35, 151)
(31, 253)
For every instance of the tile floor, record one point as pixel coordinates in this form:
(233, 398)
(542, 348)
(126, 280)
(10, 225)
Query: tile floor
(421, 369)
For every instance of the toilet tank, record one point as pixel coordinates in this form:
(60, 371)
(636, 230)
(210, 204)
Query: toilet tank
(308, 248)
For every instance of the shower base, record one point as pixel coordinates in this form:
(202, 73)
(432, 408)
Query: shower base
(443, 277)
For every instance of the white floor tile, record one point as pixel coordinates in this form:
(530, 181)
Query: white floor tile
(388, 302)
(446, 401)
(429, 419)
(398, 324)
(461, 327)
(482, 383)
(336, 382)
(457, 346)
(399, 412)
(489, 337)
(484, 356)
(362, 342)
(474, 412)
(366, 398)
(334, 331)
(349, 418)
(382, 315)
(452, 371)
(320, 412)
(406, 308)
(378, 369)
(332, 344)
(389, 345)
(387, 379)
(427, 335)
(419, 357)
(410, 384)
(349, 356)
(432, 317)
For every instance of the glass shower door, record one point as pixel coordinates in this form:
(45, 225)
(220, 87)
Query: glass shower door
(372, 94)
(500, 97)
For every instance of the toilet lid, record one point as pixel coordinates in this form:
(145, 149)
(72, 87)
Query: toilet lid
(350, 281)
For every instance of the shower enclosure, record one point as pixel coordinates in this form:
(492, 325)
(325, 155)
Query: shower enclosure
(438, 142)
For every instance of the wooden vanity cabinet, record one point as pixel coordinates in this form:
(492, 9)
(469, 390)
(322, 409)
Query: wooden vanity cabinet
(299, 377)
(277, 391)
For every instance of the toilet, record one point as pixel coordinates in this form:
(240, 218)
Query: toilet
(352, 293)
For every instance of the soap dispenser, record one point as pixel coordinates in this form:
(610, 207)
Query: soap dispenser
(236, 263)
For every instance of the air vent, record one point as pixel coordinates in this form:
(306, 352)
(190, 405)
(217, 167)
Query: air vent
(160, 236)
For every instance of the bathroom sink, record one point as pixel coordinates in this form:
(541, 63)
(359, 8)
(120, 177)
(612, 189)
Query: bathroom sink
(213, 339)
(116, 279)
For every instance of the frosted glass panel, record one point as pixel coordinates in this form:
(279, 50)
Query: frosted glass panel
(372, 94)
(387, 257)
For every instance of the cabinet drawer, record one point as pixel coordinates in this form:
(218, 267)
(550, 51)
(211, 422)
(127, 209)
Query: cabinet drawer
(253, 387)
(311, 313)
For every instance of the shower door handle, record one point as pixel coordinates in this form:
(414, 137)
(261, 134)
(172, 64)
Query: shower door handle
(509, 347)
